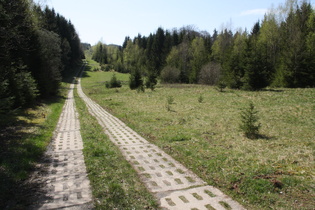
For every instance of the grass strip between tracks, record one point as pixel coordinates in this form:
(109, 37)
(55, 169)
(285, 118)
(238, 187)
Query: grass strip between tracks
(115, 184)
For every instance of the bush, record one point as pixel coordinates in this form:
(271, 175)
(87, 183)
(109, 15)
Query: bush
(20, 91)
(28, 88)
(170, 74)
(106, 67)
(249, 120)
(113, 83)
(210, 74)
(6, 101)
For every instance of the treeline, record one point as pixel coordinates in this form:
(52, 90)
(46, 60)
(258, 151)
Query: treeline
(38, 47)
(279, 51)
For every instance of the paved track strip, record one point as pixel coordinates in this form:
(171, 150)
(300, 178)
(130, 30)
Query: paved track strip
(172, 184)
(62, 175)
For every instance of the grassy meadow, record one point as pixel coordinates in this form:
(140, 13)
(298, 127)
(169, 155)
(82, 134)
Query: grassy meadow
(199, 126)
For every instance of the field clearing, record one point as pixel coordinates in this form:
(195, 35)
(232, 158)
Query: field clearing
(274, 171)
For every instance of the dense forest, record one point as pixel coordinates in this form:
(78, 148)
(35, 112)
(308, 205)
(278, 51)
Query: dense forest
(279, 51)
(38, 48)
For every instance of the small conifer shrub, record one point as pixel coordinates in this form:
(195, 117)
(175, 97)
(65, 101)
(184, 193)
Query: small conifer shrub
(200, 99)
(249, 122)
(113, 83)
(136, 81)
(170, 101)
(221, 85)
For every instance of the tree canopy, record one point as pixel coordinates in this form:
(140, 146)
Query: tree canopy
(277, 52)
(38, 47)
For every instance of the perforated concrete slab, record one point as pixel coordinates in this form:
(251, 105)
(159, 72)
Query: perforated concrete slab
(159, 171)
(201, 198)
(62, 173)
(65, 181)
(173, 185)
(118, 132)
(67, 141)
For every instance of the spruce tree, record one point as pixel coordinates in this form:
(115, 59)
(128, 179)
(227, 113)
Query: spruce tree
(136, 81)
(151, 81)
(249, 122)
(17, 37)
(255, 77)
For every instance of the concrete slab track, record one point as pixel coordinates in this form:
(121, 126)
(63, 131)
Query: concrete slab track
(62, 175)
(174, 186)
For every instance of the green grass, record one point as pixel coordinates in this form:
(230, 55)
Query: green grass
(115, 184)
(274, 171)
(25, 135)
(93, 64)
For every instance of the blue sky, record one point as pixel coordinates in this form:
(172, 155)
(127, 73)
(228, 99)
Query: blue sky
(110, 21)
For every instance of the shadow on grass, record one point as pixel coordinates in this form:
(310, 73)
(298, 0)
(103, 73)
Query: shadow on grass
(18, 153)
(22, 145)
(23, 142)
(17, 189)
(261, 136)
(86, 69)
(21, 149)
(69, 76)
(264, 137)
(272, 90)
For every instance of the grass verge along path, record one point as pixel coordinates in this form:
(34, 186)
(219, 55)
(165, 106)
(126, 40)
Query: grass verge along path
(24, 137)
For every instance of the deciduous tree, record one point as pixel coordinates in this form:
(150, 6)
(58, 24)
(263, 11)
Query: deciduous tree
(198, 58)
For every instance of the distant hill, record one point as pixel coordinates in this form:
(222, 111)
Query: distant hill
(114, 46)
(86, 46)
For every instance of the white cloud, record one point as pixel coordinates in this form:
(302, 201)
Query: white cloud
(254, 12)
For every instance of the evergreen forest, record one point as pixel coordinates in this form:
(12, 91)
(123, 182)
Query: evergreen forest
(38, 49)
(278, 51)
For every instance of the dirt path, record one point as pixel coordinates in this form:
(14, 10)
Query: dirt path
(62, 174)
(174, 186)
